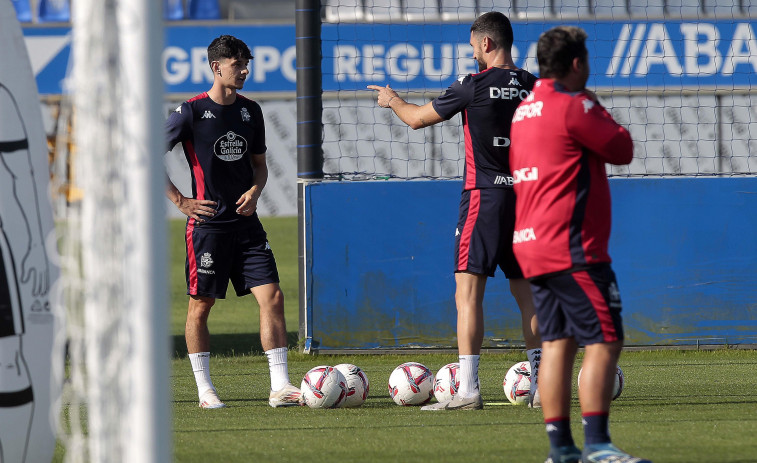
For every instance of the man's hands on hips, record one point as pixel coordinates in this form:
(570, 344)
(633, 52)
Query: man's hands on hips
(196, 208)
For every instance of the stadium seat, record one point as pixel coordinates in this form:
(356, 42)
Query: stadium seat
(173, 10)
(422, 10)
(204, 9)
(458, 10)
(343, 10)
(23, 10)
(54, 11)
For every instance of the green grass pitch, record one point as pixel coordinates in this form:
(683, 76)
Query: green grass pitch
(676, 406)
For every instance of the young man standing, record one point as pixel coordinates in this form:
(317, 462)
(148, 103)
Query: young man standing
(562, 138)
(487, 101)
(223, 136)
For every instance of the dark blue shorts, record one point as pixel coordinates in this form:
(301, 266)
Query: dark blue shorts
(215, 257)
(484, 234)
(584, 305)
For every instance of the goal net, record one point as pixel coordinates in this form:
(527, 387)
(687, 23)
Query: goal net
(678, 74)
(116, 396)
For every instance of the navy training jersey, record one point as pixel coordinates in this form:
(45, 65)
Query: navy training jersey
(487, 102)
(218, 141)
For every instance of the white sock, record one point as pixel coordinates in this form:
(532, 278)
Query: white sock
(468, 375)
(277, 365)
(534, 358)
(201, 367)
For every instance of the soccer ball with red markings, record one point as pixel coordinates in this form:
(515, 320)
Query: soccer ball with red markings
(517, 383)
(620, 380)
(357, 384)
(324, 387)
(447, 382)
(411, 384)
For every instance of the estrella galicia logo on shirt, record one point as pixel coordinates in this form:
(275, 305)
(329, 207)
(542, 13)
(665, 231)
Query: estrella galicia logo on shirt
(230, 147)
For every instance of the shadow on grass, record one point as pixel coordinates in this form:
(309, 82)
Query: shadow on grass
(231, 344)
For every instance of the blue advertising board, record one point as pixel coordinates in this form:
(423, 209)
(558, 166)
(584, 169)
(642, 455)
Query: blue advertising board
(380, 266)
(630, 54)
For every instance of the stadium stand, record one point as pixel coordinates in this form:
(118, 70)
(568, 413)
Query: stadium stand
(334, 11)
(465, 10)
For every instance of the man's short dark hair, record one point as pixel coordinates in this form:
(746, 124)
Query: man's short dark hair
(228, 46)
(496, 26)
(557, 48)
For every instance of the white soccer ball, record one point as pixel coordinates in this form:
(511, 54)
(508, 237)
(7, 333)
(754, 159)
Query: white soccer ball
(323, 387)
(620, 379)
(447, 382)
(357, 384)
(411, 384)
(517, 383)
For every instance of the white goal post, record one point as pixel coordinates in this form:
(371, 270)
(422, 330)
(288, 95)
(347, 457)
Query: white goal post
(118, 392)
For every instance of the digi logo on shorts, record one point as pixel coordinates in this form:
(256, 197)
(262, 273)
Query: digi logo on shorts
(230, 147)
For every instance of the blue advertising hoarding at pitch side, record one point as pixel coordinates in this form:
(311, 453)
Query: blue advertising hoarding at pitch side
(633, 54)
(380, 267)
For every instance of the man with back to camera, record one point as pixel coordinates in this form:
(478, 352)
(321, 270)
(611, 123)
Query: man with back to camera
(487, 101)
(562, 138)
(223, 136)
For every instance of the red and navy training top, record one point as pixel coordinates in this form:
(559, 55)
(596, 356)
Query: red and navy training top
(561, 142)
